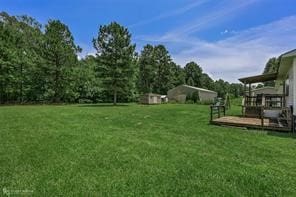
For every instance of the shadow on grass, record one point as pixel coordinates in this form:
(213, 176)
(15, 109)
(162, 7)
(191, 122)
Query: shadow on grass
(103, 105)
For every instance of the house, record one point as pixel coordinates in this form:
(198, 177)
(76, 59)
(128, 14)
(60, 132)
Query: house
(180, 93)
(287, 74)
(269, 110)
(150, 98)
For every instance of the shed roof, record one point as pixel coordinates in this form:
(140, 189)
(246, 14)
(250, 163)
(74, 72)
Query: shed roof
(259, 78)
(196, 88)
(151, 94)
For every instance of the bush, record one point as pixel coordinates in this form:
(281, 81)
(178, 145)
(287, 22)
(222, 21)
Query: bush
(173, 102)
(85, 101)
(189, 101)
(188, 97)
(195, 96)
(192, 97)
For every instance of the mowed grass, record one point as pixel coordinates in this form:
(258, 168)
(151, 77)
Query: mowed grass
(163, 150)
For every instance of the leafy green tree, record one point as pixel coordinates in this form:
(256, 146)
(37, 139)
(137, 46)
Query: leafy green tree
(236, 89)
(193, 71)
(164, 76)
(190, 81)
(157, 72)
(222, 87)
(147, 69)
(178, 75)
(271, 66)
(8, 56)
(87, 84)
(115, 56)
(20, 39)
(60, 56)
(30, 54)
(207, 82)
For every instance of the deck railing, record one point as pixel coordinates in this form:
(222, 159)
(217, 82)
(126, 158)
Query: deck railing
(268, 101)
(274, 101)
(253, 101)
(217, 110)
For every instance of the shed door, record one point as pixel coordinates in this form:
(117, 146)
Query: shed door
(155, 99)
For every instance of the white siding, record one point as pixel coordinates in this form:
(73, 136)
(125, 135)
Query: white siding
(207, 96)
(294, 85)
(290, 83)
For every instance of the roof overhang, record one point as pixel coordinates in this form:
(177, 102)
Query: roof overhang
(259, 78)
(286, 62)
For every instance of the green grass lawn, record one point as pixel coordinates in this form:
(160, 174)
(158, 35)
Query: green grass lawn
(139, 150)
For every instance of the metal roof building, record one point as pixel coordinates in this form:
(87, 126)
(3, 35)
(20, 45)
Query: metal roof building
(180, 92)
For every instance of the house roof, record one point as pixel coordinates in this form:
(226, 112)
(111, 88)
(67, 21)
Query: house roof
(259, 78)
(286, 61)
(289, 54)
(151, 94)
(201, 89)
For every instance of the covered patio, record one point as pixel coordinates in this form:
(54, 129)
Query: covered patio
(261, 111)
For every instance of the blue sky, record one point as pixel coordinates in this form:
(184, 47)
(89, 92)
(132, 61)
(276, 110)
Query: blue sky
(228, 38)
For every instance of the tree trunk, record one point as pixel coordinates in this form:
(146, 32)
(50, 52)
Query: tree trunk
(21, 84)
(56, 97)
(1, 87)
(115, 97)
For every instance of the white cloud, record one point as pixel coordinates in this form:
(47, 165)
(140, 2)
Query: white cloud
(224, 32)
(243, 53)
(171, 13)
(223, 11)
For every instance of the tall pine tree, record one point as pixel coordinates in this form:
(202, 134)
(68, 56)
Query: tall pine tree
(60, 55)
(115, 54)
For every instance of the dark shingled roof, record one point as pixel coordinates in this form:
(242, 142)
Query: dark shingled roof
(259, 78)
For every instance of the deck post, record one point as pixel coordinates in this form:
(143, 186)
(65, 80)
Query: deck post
(263, 100)
(218, 111)
(262, 117)
(244, 100)
(249, 89)
(284, 94)
(211, 113)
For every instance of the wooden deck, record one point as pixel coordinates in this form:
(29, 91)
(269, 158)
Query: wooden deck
(254, 123)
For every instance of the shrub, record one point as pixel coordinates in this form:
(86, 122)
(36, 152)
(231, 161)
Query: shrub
(195, 96)
(85, 101)
(173, 102)
(192, 97)
(189, 102)
(188, 97)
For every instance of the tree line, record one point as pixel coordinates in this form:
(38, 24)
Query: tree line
(39, 63)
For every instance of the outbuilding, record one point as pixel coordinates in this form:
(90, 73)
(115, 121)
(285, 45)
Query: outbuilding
(180, 93)
(150, 98)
